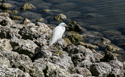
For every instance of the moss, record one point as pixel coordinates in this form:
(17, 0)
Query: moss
(15, 17)
(75, 37)
(11, 11)
(67, 40)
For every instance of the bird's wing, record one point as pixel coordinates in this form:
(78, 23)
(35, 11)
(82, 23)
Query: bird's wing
(56, 34)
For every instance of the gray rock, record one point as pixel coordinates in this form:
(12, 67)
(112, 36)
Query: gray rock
(60, 17)
(83, 71)
(100, 69)
(5, 45)
(85, 63)
(76, 75)
(112, 48)
(26, 20)
(87, 45)
(12, 72)
(105, 41)
(117, 69)
(8, 33)
(4, 14)
(26, 47)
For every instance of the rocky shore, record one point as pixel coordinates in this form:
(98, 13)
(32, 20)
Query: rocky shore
(24, 52)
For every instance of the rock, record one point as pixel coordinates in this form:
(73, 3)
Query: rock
(27, 6)
(76, 75)
(67, 40)
(46, 10)
(6, 5)
(78, 28)
(60, 17)
(41, 19)
(41, 30)
(26, 20)
(85, 63)
(105, 41)
(87, 45)
(6, 21)
(4, 14)
(15, 17)
(26, 47)
(109, 56)
(62, 43)
(74, 37)
(83, 71)
(11, 11)
(12, 72)
(100, 69)
(5, 45)
(53, 70)
(2, 0)
(117, 69)
(8, 33)
(112, 48)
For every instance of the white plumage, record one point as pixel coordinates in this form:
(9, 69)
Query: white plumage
(57, 33)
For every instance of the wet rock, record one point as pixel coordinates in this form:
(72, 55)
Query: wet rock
(76, 75)
(92, 15)
(112, 48)
(26, 47)
(27, 6)
(11, 11)
(105, 41)
(41, 19)
(15, 17)
(87, 45)
(74, 37)
(100, 69)
(117, 69)
(67, 40)
(6, 6)
(83, 71)
(60, 17)
(12, 72)
(5, 45)
(78, 28)
(46, 10)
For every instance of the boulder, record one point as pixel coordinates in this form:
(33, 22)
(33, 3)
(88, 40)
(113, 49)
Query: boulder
(87, 45)
(26, 47)
(100, 69)
(60, 17)
(15, 17)
(6, 6)
(11, 11)
(27, 6)
(112, 48)
(5, 45)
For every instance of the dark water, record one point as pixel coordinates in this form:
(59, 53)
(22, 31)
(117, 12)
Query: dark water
(104, 16)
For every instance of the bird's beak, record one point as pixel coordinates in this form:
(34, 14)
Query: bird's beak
(65, 25)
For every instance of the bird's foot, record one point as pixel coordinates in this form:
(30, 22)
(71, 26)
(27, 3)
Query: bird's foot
(59, 53)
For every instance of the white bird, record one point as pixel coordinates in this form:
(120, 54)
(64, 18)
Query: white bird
(57, 33)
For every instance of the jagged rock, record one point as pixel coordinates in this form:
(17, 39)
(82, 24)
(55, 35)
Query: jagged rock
(26, 20)
(62, 43)
(53, 70)
(27, 6)
(67, 40)
(76, 75)
(83, 71)
(46, 10)
(4, 14)
(15, 17)
(117, 69)
(109, 56)
(12, 72)
(41, 19)
(26, 47)
(6, 6)
(6, 21)
(69, 47)
(87, 45)
(34, 32)
(5, 45)
(100, 69)
(75, 38)
(60, 17)
(112, 48)
(8, 33)
(85, 63)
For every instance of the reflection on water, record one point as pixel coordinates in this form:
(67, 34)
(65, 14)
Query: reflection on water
(103, 14)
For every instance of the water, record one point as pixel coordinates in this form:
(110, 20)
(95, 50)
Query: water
(106, 15)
